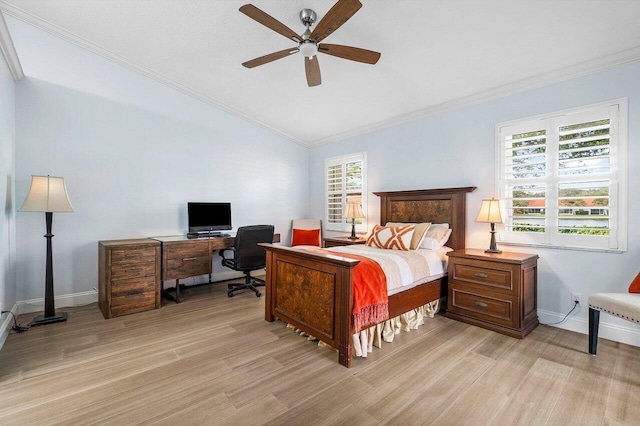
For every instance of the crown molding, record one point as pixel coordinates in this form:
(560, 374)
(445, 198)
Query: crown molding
(9, 51)
(520, 86)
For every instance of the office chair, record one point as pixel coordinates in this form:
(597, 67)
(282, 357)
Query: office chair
(248, 256)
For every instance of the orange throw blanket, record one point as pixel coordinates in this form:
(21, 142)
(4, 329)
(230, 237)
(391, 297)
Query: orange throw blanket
(370, 299)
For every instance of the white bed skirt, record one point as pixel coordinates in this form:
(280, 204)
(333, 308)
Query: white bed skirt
(364, 341)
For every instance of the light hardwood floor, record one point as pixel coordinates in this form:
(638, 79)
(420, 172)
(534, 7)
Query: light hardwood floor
(214, 360)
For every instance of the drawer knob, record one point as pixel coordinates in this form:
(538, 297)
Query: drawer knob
(481, 304)
(189, 258)
(481, 275)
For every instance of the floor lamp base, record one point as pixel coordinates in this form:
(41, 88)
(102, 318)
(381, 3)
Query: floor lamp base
(42, 320)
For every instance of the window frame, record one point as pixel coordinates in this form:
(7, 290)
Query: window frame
(551, 122)
(345, 224)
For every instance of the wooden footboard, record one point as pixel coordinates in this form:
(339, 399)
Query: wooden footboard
(313, 292)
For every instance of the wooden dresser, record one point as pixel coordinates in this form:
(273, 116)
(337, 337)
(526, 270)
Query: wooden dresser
(497, 291)
(129, 276)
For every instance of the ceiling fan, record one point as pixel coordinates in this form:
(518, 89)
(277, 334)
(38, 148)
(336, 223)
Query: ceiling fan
(309, 42)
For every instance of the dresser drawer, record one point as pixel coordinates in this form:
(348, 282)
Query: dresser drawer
(133, 270)
(133, 286)
(492, 307)
(128, 256)
(485, 274)
(124, 305)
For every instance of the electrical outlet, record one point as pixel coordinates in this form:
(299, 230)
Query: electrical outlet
(576, 297)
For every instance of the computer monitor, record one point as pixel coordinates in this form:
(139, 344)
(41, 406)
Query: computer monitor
(209, 217)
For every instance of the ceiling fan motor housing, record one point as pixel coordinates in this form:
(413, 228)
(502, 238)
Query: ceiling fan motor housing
(308, 17)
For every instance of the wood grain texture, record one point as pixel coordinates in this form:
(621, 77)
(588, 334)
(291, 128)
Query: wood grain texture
(213, 360)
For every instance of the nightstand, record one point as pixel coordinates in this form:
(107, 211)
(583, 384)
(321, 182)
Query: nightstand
(497, 291)
(341, 241)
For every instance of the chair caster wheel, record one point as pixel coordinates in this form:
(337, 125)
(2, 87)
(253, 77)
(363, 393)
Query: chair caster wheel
(258, 294)
(230, 294)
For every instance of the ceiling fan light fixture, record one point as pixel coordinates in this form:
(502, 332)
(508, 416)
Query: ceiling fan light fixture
(308, 48)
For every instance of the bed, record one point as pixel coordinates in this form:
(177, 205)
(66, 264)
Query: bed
(314, 291)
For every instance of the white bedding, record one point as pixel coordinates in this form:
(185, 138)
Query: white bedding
(404, 269)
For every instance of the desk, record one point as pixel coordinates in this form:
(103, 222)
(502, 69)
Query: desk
(183, 257)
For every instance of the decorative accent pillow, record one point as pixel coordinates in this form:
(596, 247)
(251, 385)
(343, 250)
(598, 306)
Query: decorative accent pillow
(305, 237)
(418, 234)
(635, 285)
(437, 235)
(397, 238)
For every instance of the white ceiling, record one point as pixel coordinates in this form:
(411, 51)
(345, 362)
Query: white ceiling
(436, 54)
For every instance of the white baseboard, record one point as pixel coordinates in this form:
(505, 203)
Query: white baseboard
(7, 323)
(606, 330)
(62, 301)
(88, 297)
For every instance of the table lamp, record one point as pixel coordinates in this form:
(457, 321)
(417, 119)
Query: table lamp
(353, 212)
(490, 212)
(47, 194)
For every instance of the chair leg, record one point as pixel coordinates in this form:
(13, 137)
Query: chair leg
(249, 284)
(594, 321)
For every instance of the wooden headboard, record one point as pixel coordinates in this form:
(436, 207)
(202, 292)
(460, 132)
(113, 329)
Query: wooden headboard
(446, 205)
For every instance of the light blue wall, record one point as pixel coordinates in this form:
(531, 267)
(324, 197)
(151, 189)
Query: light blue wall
(457, 148)
(133, 152)
(7, 210)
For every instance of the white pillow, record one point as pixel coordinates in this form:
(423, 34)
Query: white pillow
(437, 236)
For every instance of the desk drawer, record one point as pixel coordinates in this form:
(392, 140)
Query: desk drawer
(492, 307)
(188, 267)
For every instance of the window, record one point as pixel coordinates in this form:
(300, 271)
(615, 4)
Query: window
(562, 178)
(346, 182)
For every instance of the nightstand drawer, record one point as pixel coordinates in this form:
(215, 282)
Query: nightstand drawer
(485, 275)
(491, 307)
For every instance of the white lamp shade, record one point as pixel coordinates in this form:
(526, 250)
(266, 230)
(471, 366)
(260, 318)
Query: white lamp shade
(47, 194)
(490, 212)
(353, 211)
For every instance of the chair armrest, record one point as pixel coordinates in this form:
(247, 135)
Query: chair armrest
(221, 252)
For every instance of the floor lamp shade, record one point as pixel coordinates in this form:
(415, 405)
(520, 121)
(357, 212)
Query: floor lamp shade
(48, 194)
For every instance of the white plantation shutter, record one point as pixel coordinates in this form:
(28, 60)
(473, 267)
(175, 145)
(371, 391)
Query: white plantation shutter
(561, 175)
(346, 181)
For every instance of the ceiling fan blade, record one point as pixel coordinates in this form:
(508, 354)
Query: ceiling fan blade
(270, 57)
(335, 17)
(269, 21)
(312, 69)
(351, 53)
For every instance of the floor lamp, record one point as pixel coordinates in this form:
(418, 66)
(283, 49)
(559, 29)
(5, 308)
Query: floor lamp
(48, 194)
